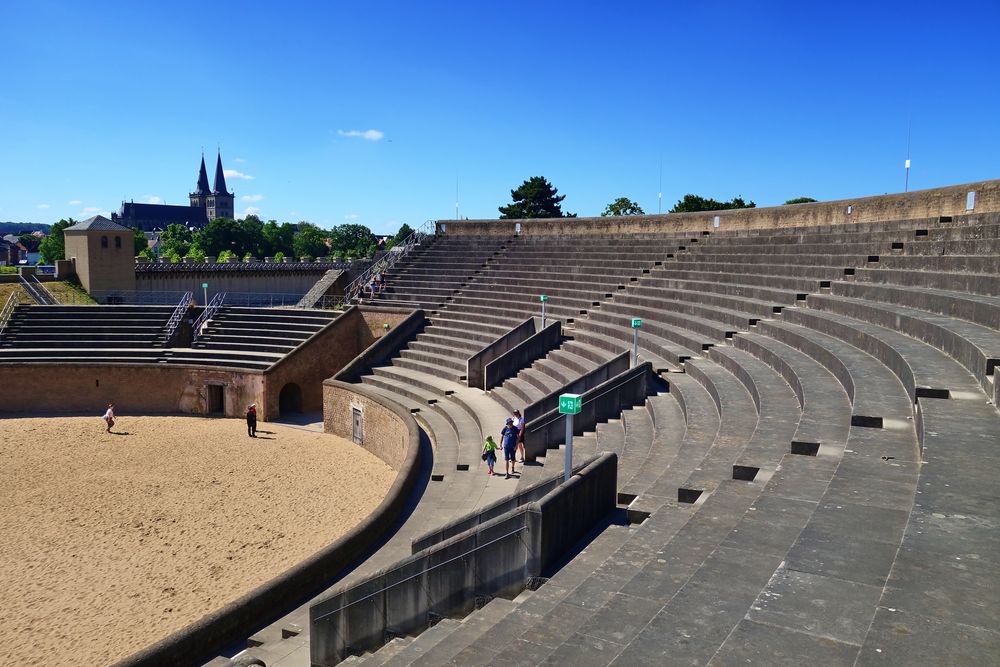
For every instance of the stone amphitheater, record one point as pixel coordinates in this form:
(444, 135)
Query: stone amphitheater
(794, 468)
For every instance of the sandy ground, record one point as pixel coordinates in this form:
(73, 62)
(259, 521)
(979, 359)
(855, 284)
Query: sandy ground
(111, 542)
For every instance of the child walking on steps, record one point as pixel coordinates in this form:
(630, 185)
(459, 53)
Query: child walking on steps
(490, 453)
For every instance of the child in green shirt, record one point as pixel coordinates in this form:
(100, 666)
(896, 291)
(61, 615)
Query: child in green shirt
(490, 453)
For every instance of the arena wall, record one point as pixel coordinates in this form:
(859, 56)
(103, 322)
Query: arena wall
(133, 388)
(386, 434)
(947, 201)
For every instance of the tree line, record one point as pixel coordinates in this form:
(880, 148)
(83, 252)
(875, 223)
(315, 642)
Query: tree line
(250, 237)
(538, 198)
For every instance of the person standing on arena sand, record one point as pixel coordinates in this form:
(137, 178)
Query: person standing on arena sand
(109, 416)
(519, 425)
(508, 436)
(252, 420)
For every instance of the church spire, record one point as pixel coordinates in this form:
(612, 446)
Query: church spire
(202, 188)
(220, 178)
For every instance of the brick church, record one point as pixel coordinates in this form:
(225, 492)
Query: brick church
(206, 204)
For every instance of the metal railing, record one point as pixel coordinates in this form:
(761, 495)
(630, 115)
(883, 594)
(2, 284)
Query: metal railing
(137, 298)
(47, 296)
(8, 310)
(210, 310)
(262, 299)
(170, 330)
(355, 289)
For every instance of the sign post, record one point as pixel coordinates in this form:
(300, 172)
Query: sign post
(636, 323)
(569, 405)
(204, 286)
(543, 298)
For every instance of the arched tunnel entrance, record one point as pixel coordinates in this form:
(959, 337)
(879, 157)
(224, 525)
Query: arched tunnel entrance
(290, 399)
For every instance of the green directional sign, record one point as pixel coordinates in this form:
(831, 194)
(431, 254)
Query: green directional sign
(570, 404)
(204, 285)
(636, 323)
(543, 298)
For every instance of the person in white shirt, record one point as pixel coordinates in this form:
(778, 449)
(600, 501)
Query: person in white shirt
(519, 425)
(109, 416)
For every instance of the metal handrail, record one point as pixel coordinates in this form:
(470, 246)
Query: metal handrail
(388, 260)
(210, 310)
(8, 310)
(46, 294)
(170, 330)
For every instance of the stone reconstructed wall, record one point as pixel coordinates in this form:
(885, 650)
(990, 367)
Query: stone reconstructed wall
(386, 432)
(137, 389)
(947, 201)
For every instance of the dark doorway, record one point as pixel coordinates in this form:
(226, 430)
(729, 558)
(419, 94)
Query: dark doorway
(357, 426)
(216, 399)
(290, 399)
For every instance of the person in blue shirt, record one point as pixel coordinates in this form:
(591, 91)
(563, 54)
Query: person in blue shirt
(508, 436)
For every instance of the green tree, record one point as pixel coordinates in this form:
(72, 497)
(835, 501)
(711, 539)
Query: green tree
(310, 241)
(692, 203)
(252, 236)
(800, 200)
(623, 206)
(148, 254)
(535, 198)
(29, 241)
(175, 239)
(279, 257)
(54, 246)
(352, 240)
(224, 256)
(278, 238)
(140, 241)
(196, 253)
(221, 234)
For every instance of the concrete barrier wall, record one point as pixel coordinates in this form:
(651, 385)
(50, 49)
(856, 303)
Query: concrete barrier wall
(385, 434)
(475, 366)
(198, 642)
(385, 347)
(946, 201)
(603, 402)
(496, 557)
(498, 508)
(602, 373)
(522, 355)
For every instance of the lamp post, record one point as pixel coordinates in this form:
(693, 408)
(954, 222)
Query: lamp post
(636, 323)
(569, 405)
(543, 298)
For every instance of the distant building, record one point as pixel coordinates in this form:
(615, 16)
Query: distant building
(206, 204)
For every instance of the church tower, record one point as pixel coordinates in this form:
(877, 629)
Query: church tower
(221, 203)
(199, 198)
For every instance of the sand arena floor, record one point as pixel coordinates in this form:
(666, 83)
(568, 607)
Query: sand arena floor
(111, 542)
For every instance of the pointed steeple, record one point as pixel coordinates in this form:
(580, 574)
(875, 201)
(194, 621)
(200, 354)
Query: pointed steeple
(202, 188)
(220, 178)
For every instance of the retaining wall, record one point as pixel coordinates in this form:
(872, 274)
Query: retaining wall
(522, 355)
(476, 364)
(404, 327)
(497, 557)
(602, 373)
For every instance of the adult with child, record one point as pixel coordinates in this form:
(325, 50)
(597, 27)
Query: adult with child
(508, 436)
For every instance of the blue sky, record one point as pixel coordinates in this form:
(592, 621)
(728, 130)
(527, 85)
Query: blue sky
(101, 102)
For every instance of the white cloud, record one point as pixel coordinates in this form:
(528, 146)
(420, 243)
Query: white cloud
(368, 135)
(232, 173)
(43, 206)
(89, 211)
(352, 216)
(239, 160)
(152, 199)
(251, 198)
(250, 210)
(75, 202)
